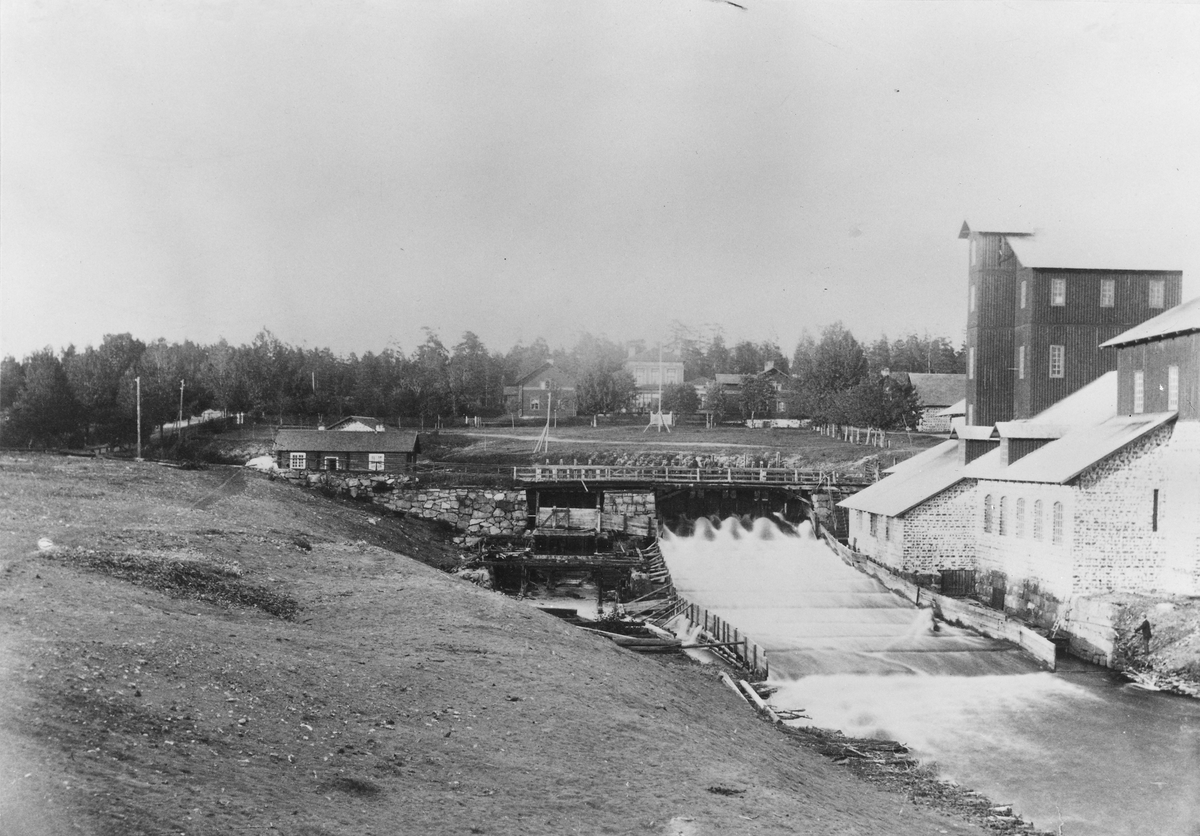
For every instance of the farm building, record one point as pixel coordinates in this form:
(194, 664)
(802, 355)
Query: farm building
(1037, 308)
(358, 424)
(937, 392)
(330, 449)
(544, 390)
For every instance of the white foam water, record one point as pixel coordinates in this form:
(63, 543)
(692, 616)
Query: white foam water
(1078, 754)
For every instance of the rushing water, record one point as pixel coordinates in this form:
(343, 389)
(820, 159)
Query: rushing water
(1077, 749)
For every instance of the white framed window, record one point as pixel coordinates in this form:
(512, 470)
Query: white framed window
(1021, 362)
(1158, 294)
(1058, 292)
(1037, 519)
(1172, 387)
(1139, 391)
(1057, 525)
(331, 462)
(971, 363)
(1058, 356)
(374, 461)
(1019, 529)
(971, 293)
(535, 405)
(1024, 288)
(298, 461)
(1108, 293)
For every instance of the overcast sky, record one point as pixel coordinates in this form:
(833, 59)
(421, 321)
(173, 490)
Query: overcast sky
(344, 173)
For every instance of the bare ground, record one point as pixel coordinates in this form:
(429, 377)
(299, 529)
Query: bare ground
(202, 654)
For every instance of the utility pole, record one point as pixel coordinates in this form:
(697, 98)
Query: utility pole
(179, 426)
(138, 381)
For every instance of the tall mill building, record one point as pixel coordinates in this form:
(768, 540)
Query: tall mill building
(1038, 309)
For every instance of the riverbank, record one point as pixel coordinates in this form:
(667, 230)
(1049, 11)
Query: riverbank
(205, 653)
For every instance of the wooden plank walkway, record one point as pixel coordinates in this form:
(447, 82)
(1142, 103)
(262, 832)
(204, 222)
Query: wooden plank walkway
(749, 476)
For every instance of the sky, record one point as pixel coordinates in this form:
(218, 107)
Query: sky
(345, 174)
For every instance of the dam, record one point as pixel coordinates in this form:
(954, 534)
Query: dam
(1077, 751)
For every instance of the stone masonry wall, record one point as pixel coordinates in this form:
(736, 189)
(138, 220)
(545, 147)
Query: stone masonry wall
(476, 512)
(940, 533)
(1115, 545)
(630, 503)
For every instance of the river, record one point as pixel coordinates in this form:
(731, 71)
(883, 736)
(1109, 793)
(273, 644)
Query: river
(1078, 751)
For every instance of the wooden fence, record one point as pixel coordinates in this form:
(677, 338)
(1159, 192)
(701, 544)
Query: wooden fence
(735, 646)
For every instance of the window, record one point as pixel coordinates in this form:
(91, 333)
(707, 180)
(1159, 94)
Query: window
(1172, 387)
(535, 405)
(1057, 530)
(1058, 356)
(1108, 293)
(1157, 293)
(874, 524)
(1002, 517)
(971, 363)
(1154, 512)
(297, 461)
(987, 513)
(1021, 362)
(887, 528)
(971, 414)
(1139, 391)
(1024, 287)
(972, 295)
(1020, 527)
(1037, 519)
(374, 461)
(1058, 292)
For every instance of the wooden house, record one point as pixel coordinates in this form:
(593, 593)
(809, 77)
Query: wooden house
(387, 451)
(1038, 307)
(652, 371)
(543, 390)
(358, 424)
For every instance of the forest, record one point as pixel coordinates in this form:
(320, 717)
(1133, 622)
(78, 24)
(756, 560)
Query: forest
(85, 396)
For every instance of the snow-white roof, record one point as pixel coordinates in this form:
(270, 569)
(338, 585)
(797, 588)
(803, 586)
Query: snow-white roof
(955, 409)
(1124, 250)
(911, 482)
(1181, 319)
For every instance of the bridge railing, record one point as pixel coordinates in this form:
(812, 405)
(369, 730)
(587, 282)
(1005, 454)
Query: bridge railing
(676, 475)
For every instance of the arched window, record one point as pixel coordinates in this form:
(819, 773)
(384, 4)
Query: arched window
(1020, 528)
(1057, 530)
(1002, 519)
(1037, 519)
(987, 513)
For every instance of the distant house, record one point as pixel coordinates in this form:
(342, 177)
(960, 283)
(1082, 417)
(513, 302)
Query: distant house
(541, 391)
(358, 424)
(653, 370)
(936, 392)
(387, 451)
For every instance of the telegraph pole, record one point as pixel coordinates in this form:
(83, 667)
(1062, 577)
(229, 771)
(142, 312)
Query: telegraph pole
(138, 381)
(179, 431)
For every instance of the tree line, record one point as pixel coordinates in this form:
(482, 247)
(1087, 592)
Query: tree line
(89, 396)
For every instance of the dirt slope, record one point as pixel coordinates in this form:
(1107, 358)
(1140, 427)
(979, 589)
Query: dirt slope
(396, 700)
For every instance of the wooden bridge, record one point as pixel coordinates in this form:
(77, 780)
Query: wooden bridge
(782, 477)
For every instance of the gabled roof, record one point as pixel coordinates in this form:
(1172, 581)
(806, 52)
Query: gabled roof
(539, 369)
(1130, 247)
(729, 379)
(332, 441)
(996, 226)
(1061, 461)
(938, 389)
(1182, 319)
(911, 482)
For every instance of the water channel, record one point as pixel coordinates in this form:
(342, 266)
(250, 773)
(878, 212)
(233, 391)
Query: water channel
(1078, 751)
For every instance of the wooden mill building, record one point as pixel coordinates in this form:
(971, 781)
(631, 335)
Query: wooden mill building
(1038, 308)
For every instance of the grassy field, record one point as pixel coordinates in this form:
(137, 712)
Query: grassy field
(209, 652)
